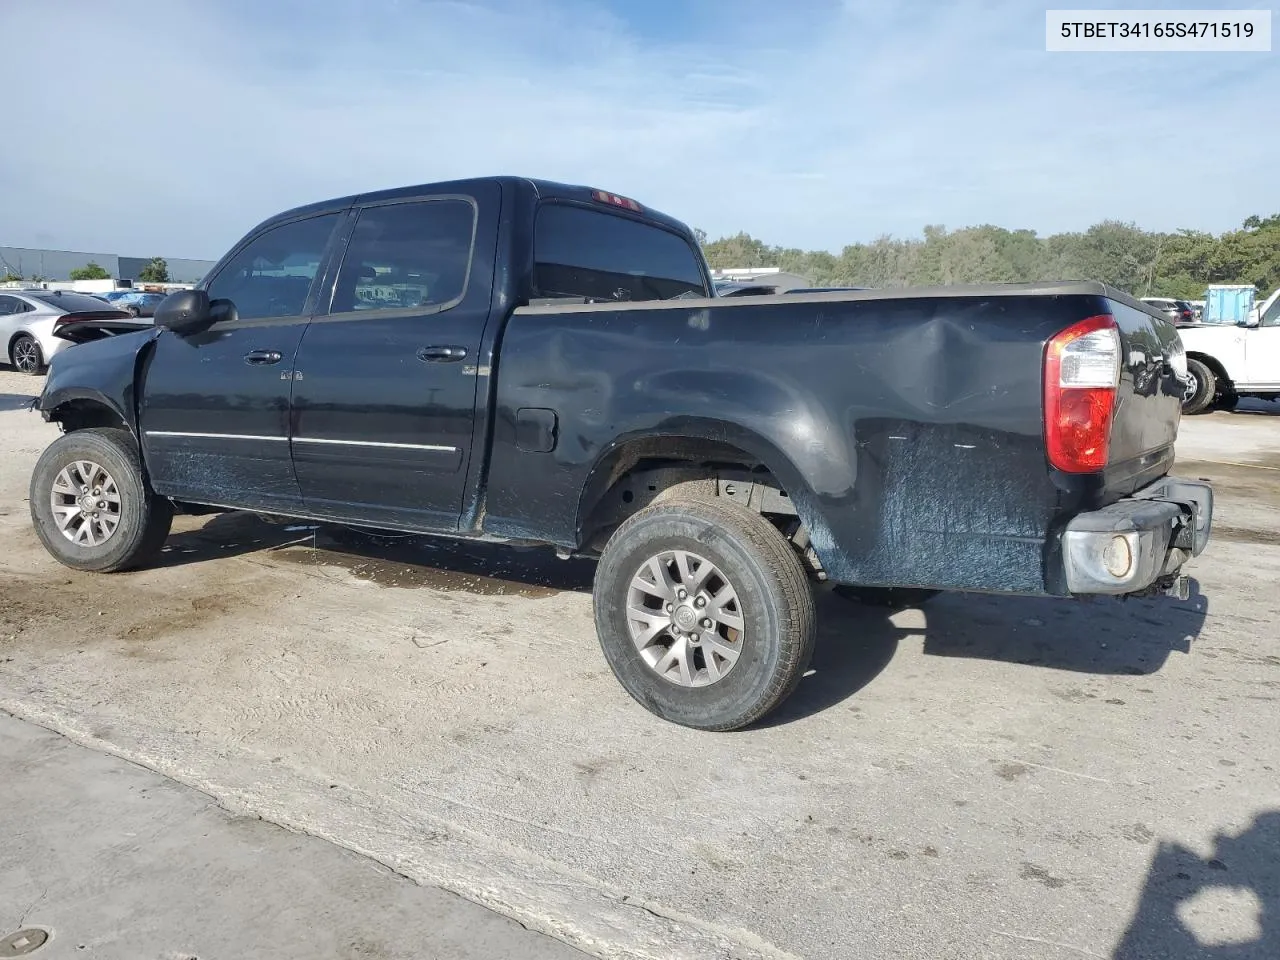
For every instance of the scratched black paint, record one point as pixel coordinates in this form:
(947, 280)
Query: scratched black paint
(908, 431)
(906, 426)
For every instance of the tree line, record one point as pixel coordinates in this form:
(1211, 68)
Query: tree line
(156, 270)
(1144, 263)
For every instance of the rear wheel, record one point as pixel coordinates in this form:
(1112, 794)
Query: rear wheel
(896, 598)
(26, 356)
(1200, 389)
(90, 503)
(704, 613)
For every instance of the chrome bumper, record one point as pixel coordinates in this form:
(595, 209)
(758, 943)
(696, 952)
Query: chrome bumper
(1139, 544)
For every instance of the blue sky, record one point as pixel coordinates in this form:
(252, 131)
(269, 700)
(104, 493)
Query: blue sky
(172, 126)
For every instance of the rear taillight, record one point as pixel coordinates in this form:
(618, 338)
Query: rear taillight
(1081, 373)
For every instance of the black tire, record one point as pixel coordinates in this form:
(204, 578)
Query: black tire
(774, 597)
(132, 311)
(1204, 387)
(144, 518)
(894, 598)
(26, 356)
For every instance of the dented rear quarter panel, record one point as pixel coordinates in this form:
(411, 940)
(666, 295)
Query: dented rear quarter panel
(906, 428)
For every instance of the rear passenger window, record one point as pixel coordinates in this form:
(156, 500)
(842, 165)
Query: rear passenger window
(272, 275)
(407, 256)
(580, 252)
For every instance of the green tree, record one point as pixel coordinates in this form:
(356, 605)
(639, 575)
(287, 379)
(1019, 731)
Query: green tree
(157, 271)
(742, 250)
(11, 277)
(90, 271)
(1144, 263)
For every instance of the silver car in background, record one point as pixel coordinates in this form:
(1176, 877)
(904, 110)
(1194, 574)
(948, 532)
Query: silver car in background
(27, 319)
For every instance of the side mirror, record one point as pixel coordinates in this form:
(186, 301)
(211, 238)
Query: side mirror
(185, 312)
(1250, 321)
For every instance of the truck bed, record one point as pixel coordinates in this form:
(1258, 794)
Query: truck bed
(905, 425)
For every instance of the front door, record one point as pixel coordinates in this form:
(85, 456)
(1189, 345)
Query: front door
(385, 386)
(215, 406)
(1262, 349)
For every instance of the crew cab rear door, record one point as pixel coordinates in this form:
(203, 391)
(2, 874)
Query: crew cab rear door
(385, 379)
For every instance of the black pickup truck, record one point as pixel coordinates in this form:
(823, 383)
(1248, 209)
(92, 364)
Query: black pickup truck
(513, 360)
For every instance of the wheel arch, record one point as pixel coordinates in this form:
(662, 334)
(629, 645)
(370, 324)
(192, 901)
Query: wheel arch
(1214, 364)
(691, 450)
(20, 332)
(79, 409)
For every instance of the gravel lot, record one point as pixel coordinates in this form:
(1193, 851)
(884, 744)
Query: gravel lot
(989, 777)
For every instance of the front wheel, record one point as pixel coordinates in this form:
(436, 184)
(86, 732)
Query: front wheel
(1200, 388)
(26, 356)
(704, 613)
(91, 506)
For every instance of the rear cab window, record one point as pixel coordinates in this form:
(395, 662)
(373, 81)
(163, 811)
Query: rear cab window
(584, 252)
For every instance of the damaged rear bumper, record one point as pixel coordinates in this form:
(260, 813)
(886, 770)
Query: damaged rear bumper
(1138, 545)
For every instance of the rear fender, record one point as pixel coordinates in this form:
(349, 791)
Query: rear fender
(790, 455)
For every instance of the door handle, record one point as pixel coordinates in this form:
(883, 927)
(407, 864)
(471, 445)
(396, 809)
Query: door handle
(263, 357)
(442, 354)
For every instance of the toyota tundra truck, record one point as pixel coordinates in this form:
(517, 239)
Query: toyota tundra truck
(526, 362)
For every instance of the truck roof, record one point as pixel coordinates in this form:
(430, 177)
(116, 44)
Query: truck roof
(539, 189)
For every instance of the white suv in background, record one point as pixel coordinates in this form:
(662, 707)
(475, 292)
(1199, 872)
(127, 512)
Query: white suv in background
(1228, 361)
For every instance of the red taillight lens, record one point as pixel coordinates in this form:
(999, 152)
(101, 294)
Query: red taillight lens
(1081, 373)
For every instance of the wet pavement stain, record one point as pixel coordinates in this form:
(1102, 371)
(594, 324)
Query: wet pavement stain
(1032, 872)
(1012, 771)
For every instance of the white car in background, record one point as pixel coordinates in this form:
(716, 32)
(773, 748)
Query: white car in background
(27, 319)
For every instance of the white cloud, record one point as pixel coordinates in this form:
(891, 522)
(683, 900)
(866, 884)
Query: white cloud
(172, 126)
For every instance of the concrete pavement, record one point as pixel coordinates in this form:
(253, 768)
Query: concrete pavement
(116, 861)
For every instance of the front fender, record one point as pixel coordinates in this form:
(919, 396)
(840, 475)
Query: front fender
(1221, 345)
(104, 372)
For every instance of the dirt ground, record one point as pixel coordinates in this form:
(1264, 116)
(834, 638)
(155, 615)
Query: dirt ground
(986, 777)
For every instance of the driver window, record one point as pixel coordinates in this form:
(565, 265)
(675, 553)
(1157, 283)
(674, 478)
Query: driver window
(1272, 317)
(272, 275)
